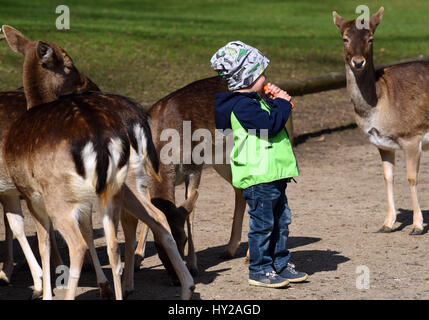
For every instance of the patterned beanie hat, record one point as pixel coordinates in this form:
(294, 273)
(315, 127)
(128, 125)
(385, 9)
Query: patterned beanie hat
(239, 64)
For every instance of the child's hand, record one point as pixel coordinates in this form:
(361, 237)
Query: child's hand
(272, 91)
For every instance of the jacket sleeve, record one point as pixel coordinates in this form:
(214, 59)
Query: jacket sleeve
(250, 115)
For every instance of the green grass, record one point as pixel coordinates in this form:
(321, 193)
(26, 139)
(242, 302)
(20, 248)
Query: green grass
(146, 49)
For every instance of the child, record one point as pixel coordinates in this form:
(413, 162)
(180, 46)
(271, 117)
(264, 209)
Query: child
(262, 159)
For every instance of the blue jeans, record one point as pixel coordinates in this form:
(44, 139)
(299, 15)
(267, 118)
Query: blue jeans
(269, 219)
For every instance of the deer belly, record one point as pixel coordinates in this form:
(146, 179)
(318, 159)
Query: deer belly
(381, 141)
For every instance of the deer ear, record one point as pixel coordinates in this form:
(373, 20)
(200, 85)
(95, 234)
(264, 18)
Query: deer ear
(376, 19)
(338, 20)
(16, 40)
(45, 52)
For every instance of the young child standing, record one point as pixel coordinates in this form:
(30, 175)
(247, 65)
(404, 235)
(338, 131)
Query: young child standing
(262, 159)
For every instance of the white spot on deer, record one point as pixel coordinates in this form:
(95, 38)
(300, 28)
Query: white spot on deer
(116, 176)
(89, 158)
(84, 188)
(137, 159)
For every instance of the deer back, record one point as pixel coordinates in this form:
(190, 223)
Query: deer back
(75, 121)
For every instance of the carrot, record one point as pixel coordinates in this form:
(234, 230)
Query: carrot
(275, 96)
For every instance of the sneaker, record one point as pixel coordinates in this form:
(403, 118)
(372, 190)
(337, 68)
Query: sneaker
(269, 280)
(292, 275)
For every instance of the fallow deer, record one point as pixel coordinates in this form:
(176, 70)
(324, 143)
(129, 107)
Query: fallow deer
(9, 197)
(193, 103)
(13, 105)
(86, 143)
(391, 107)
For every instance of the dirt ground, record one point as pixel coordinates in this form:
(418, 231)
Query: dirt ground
(337, 206)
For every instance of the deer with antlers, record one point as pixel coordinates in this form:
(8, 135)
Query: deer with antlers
(391, 107)
(74, 148)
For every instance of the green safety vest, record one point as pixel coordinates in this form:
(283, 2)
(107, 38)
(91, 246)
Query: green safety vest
(256, 159)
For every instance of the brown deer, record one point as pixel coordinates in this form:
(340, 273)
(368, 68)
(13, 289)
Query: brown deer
(68, 152)
(12, 105)
(391, 107)
(9, 197)
(193, 103)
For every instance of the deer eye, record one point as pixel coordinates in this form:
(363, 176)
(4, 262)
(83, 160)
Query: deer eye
(345, 40)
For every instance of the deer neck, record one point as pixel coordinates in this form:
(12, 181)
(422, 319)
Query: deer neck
(36, 97)
(362, 89)
(33, 88)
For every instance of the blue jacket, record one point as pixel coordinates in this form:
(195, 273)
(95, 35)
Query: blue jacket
(249, 113)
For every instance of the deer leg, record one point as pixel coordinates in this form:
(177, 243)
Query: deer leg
(6, 272)
(15, 220)
(412, 156)
(43, 224)
(111, 215)
(129, 225)
(192, 183)
(237, 225)
(77, 248)
(144, 210)
(87, 233)
(141, 247)
(388, 162)
(67, 218)
(240, 207)
(58, 261)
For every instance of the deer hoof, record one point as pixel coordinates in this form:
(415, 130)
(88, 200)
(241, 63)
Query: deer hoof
(4, 278)
(105, 292)
(385, 229)
(416, 232)
(138, 262)
(37, 294)
(187, 294)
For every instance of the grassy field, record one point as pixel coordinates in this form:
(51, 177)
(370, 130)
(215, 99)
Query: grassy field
(146, 49)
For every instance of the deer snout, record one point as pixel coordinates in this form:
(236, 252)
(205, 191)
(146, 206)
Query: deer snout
(358, 62)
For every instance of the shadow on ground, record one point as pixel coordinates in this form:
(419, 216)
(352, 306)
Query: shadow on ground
(153, 282)
(405, 218)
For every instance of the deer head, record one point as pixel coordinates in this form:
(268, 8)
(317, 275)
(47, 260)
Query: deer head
(357, 42)
(48, 71)
(176, 217)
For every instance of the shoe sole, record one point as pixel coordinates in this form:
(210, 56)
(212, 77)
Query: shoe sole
(268, 285)
(299, 279)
